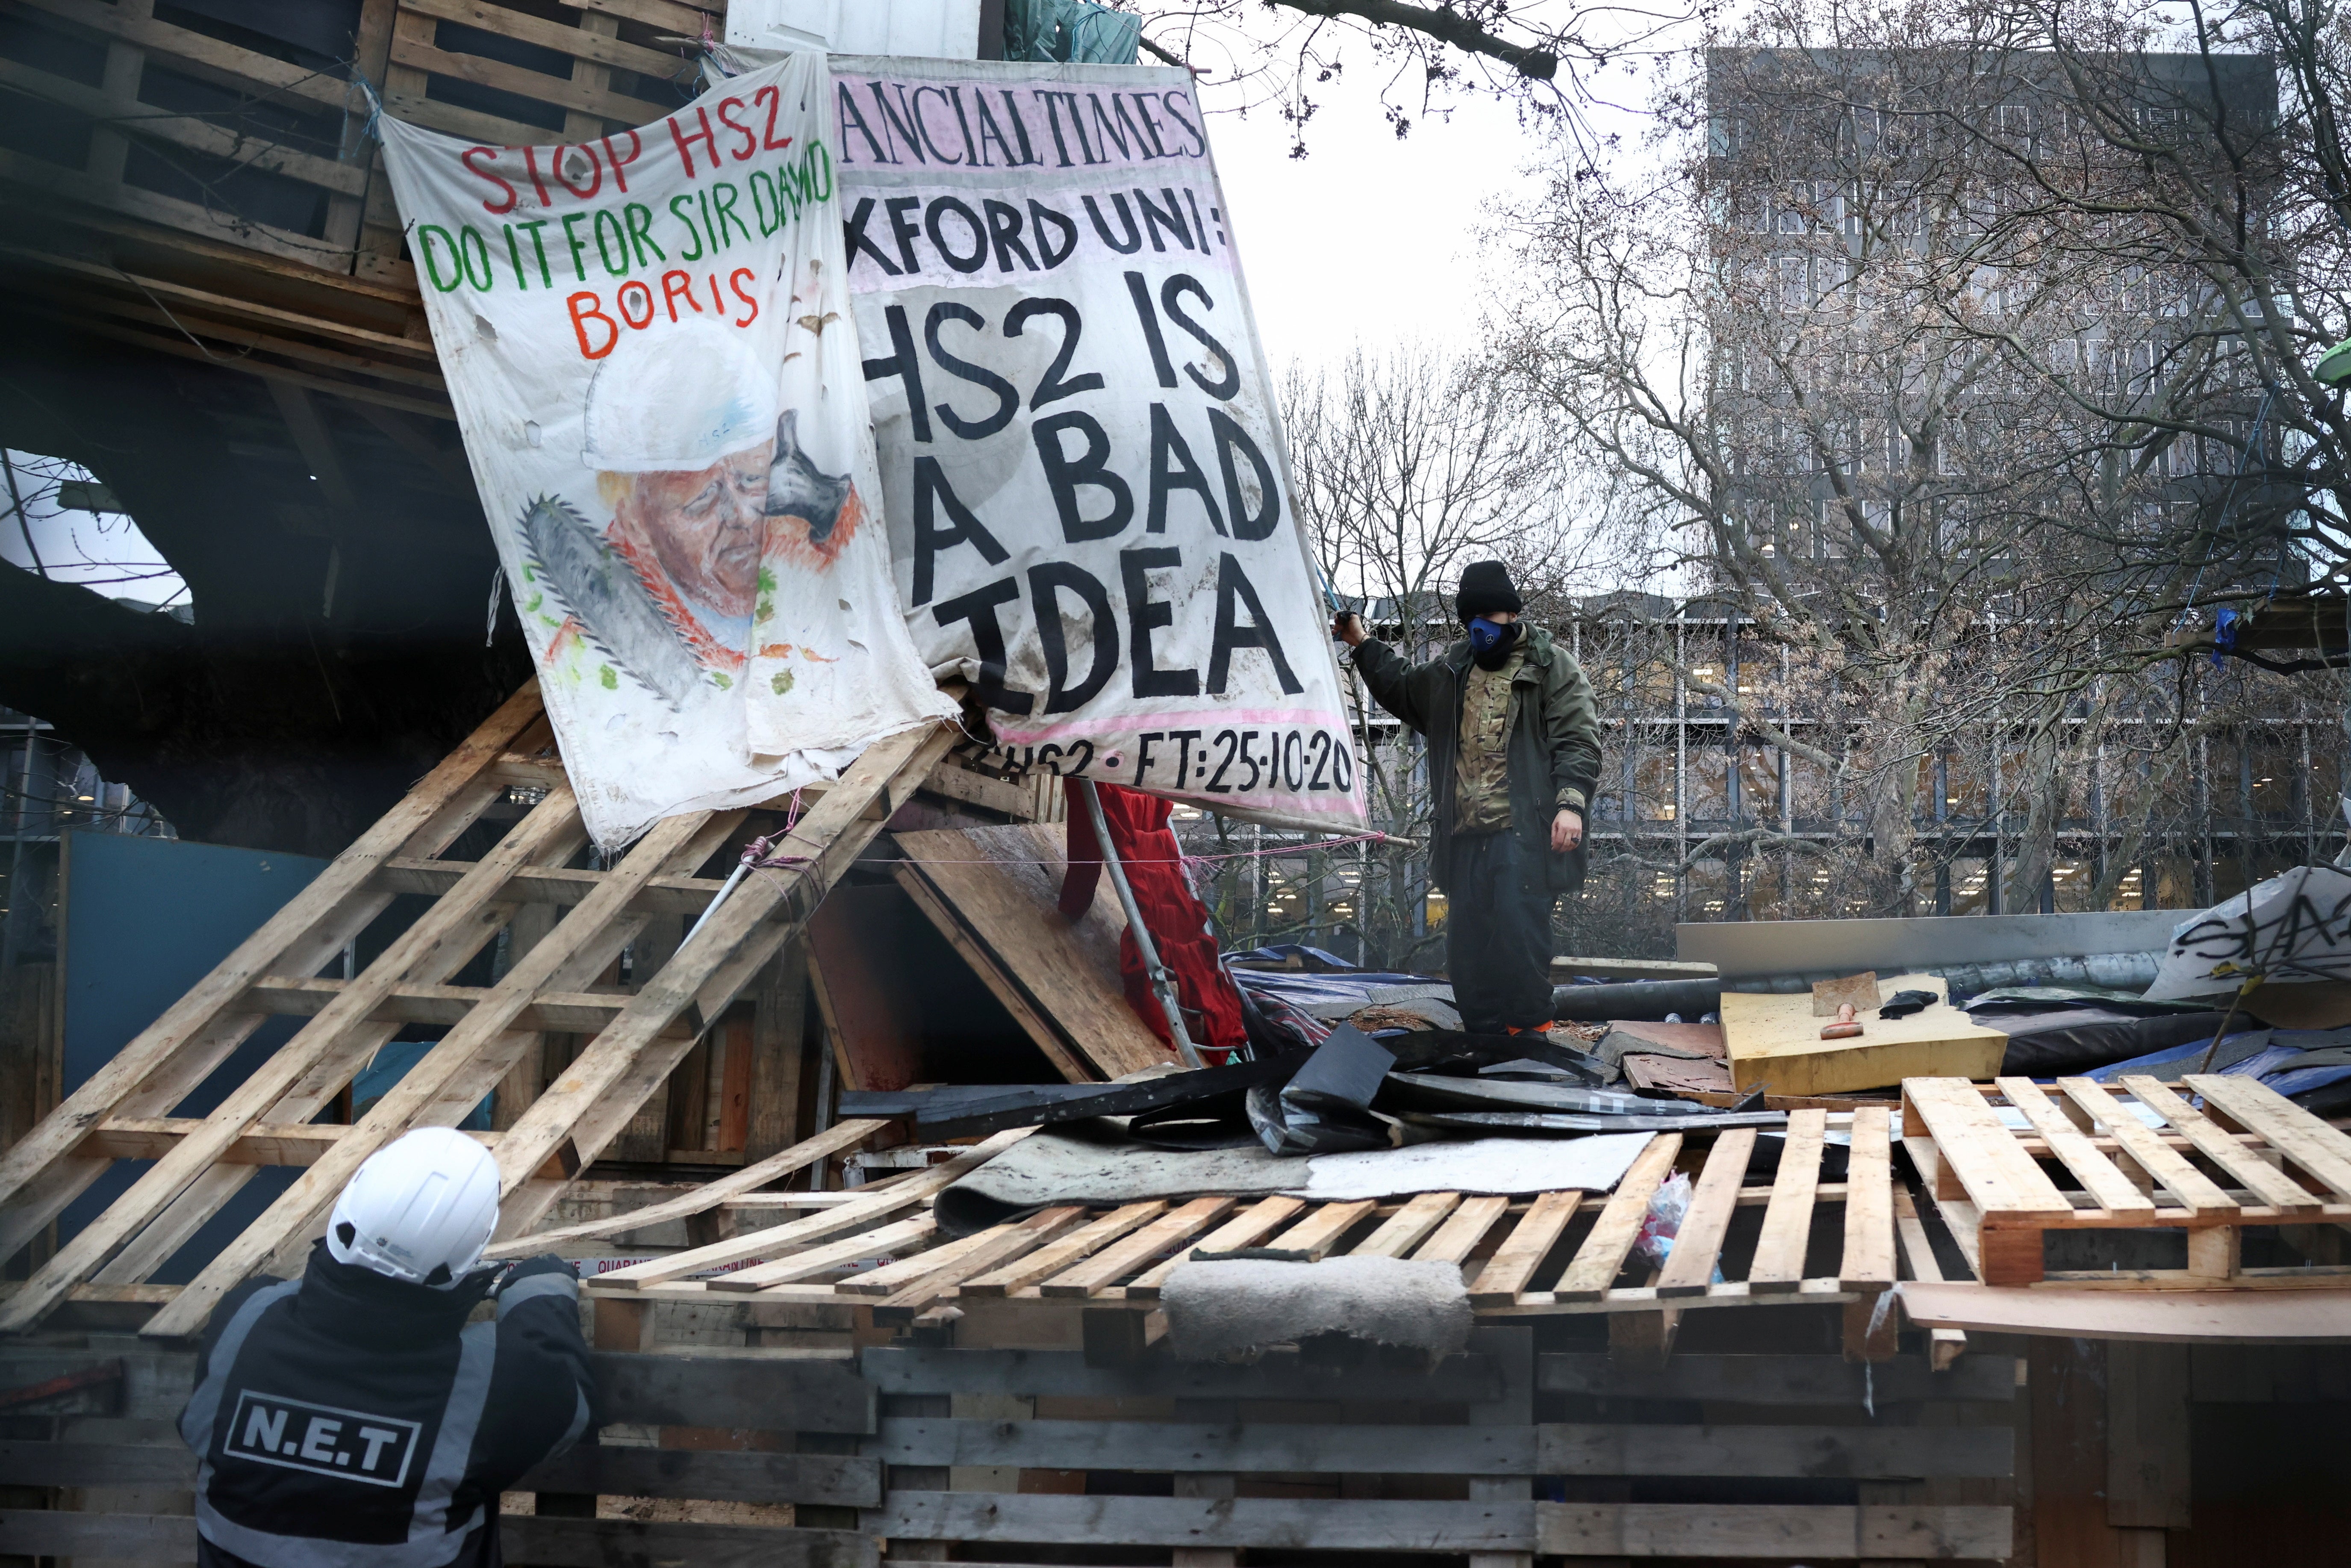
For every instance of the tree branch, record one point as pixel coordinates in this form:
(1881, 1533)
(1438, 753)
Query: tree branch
(1443, 23)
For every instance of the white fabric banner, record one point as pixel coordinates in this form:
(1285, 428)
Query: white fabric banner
(1087, 489)
(650, 346)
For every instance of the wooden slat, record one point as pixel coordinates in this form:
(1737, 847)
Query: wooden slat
(569, 40)
(1144, 1248)
(2001, 1179)
(836, 1480)
(617, 1071)
(454, 923)
(147, 120)
(1522, 1252)
(1186, 1447)
(1792, 1532)
(2164, 1166)
(555, 885)
(2114, 1191)
(1315, 1523)
(537, 86)
(698, 1386)
(549, 1541)
(1358, 1448)
(1868, 1259)
(837, 1139)
(495, 130)
(184, 1028)
(220, 61)
(1459, 1235)
(1247, 1229)
(1010, 1241)
(1944, 1345)
(1783, 1380)
(577, 1012)
(1779, 1264)
(780, 1238)
(891, 1277)
(1052, 1259)
(476, 1037)
(1600, 1258)
(1323, 1229)
(1623, 1448)
(263, 1144)
(2263, 1179)
(31, 1532)
(1467, 1379)
(912, 1233)
(1698, 1245)
(79, 1464)
(669, 15)
(2305, 1140)
(1405, 1230)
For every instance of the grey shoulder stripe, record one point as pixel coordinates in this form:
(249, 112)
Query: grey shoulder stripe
(453, 1447)
(538, 1285)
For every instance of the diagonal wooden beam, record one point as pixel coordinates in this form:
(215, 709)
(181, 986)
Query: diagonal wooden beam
(493, 1016)
(198, 1032)
(553, 819)
(585, 1108)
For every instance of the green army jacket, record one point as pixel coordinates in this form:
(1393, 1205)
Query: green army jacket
(1553, 747)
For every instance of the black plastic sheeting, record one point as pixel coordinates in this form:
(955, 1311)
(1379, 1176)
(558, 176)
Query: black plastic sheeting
(2061, 1042)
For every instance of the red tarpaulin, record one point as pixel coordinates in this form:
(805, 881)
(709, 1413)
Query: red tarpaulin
(1178, 922)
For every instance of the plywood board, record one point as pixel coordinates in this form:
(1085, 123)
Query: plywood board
(2313, 1315)
(1003, 883)
(1776, 1040)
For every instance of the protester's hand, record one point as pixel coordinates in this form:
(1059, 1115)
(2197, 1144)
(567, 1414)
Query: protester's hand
(1348, 627)
(1566, 831)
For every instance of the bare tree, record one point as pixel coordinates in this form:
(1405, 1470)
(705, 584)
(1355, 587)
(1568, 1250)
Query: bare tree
(1823, 353)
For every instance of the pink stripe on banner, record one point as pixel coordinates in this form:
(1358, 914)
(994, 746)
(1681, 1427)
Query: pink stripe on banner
(1092, 729)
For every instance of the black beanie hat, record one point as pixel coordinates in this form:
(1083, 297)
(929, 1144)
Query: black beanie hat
(1485, 587)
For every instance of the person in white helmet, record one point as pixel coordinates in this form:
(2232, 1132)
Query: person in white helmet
(354, 1418)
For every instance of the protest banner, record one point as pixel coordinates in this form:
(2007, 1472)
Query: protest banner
(648, 341)
(1081, 462)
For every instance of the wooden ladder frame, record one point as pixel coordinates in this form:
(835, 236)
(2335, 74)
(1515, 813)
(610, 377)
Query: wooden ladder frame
(124, 1109)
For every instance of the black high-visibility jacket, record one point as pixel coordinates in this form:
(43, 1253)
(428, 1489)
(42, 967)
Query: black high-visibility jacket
(349, 1420)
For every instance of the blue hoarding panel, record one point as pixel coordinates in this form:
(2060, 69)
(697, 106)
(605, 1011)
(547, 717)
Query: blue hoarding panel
(145, 919)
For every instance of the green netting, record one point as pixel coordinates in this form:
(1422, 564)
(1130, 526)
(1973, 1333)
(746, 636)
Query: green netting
(1070, 31)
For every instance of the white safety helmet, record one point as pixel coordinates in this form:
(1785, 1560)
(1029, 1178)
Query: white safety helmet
(421, 1210)
(677, 399)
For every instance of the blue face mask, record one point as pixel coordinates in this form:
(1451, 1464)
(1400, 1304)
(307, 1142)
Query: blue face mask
(1485, 635)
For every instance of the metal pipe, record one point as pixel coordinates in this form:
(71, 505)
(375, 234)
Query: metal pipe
(1162, 984)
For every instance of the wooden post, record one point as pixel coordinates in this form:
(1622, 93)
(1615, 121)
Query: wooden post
(779, 1005)
(1204, 1484)
(1513, 1350)
(2146, 1436)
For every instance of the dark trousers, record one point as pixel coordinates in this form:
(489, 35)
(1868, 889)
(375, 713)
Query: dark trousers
(1497, 933)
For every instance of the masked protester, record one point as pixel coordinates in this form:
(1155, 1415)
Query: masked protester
(354, 1418)
(1513, 755)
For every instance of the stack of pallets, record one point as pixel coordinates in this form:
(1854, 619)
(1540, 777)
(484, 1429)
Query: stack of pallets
(2145, 1159)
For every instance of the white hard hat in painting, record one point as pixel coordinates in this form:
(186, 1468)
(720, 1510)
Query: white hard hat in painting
(421, 1210)
(677, 398)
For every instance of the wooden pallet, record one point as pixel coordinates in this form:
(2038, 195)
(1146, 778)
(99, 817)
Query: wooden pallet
(990, 1453)
(2248, 1156)
(1515, 1252)
(200, 1162)
(762, 1430)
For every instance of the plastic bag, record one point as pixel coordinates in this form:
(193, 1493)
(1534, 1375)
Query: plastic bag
(1664, 1221)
